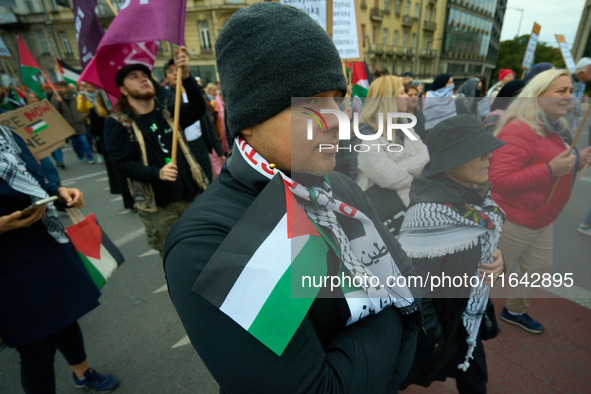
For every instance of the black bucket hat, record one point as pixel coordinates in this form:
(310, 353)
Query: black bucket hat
(122, 73)
(455, 141)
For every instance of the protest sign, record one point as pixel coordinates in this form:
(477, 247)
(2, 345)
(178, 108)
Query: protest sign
(40, 125)
(566, 55)
(339, 19)
(528, 59)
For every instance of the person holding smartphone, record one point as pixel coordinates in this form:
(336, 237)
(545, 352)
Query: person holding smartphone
(44, 288)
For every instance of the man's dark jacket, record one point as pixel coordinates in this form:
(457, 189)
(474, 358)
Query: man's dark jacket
(372, 355)
(127, 157)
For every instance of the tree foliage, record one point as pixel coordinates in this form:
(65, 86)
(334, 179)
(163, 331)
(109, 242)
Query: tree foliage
(511, 54)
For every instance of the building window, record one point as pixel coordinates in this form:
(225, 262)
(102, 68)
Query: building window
(204, 35)
(387, 5)
(398, 6)
(374, 36)
(385, 37)
(30, 6)
(413, 41)
(405, 39)
(363, 34)
(396, 38)
(407, 8)
(42, 42)
(417, 10)
(66, 44)
(427, 42)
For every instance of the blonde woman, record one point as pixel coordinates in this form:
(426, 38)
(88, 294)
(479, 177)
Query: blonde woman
(380, 167)
(523, 173)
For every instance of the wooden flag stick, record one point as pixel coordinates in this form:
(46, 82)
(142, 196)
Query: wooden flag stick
(111, 7)
(583, 171)
(177, 113)
(14, 75)
(572, 146)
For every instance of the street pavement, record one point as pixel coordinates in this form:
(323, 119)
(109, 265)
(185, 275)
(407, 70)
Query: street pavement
(136, 334)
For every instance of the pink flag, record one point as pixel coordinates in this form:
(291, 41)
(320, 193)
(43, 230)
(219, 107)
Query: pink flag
(133, 37)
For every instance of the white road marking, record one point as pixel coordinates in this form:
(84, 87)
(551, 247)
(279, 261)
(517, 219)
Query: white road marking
(576, 294)
(183, 342)
(130, 237)
(71, 181)
(124, 212)
(586, 179)
(117, 198)
(148, 253)
(161, 289)
(103, 179)
(107, 188)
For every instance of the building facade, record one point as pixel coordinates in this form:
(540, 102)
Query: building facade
(402, 35)
(472, 37)
(582, 46)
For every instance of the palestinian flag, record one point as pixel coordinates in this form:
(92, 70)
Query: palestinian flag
(19, 95)
(361, 79)
(255, 276)
(30, 70)
(97, 252)
(66, 73)
(36, 127)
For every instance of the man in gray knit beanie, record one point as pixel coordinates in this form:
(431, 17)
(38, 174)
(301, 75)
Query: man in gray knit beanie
(235, 260)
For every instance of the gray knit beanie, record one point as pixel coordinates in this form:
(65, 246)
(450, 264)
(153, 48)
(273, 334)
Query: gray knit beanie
(268, 53)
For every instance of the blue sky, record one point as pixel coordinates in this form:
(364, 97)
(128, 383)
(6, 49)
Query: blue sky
(555, 17)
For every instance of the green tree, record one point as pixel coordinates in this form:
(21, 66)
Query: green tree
(511, 54)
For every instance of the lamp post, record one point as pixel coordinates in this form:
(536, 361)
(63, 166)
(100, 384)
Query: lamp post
(520, 18)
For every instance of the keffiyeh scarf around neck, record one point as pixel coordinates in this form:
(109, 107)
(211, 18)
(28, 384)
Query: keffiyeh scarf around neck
(285, 235)
(356, 255)
(14, 171)
(432, 230)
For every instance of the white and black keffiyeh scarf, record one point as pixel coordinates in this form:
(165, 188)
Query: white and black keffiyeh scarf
(357, 255)
(432, 230)
(14, 171)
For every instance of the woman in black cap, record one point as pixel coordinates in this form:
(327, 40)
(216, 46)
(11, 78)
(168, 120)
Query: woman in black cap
(452, 228)
(505, 97)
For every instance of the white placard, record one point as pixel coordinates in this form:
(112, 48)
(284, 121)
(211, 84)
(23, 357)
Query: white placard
(315, 8)
(567, 56)
(4, 52)
(344, 29)
(528, 59)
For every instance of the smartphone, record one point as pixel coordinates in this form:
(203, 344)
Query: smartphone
(37, 204)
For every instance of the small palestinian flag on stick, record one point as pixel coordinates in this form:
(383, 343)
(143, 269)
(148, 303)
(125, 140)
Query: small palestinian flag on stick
(255, 276)
(66, 73)
(97, 252)
(36, 127)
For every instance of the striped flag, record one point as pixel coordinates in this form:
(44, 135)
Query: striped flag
(360, 79)
(66, 73)
(36, 127)
(99, 255)
(30, 68)
(263, 261)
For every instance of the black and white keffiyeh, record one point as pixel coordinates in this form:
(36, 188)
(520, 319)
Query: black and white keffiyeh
(433, 230)
(14, 171)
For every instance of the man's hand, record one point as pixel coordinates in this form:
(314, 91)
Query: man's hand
(72, 197)
(181, 59)
(562, 164)
(59, 98)
(495, 268)
(14, 222)
(169, 172)
(222, 159)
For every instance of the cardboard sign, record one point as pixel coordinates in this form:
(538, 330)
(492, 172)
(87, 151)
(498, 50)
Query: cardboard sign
(40, 125)
(566, 55)
(528, 59)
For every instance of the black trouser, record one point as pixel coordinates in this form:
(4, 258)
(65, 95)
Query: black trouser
(37, 374)
(472, 381)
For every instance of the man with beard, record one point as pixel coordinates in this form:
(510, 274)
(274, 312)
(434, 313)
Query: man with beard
(238, 263)
(138, 138)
